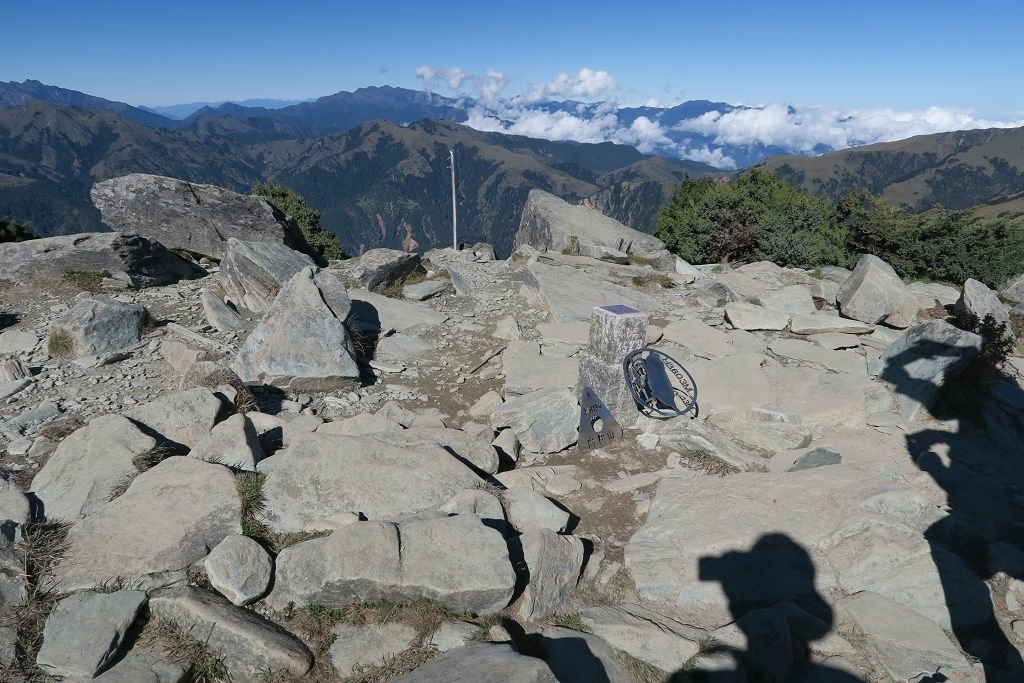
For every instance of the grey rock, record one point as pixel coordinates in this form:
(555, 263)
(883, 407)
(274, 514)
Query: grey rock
(167, 519)
(907, 644)
(661, 260)
(13, 592)
(577, 657)
(458, 561)
(551, 223)
(793, 299)
(327, 474)
(234, 442)
(820, 323)
(1013, 290)
(14, 370)
(141, 261)
(369, 645)
(545, 421)
(646, 634)
(767, 435)
(181, 355)
(818, 357)
(98, 325)
(85, 468)
(421, 291)
(84, 632)
(219, 314)
(874, 293)
(252, 273)
(249, 644)
(603, 253)
(17, 341)
(472, 450)
(426, 419)
(554, 563)
(817, 457)
(302, 342)
(919, 363)
(453, 634)
(710, 342)
(239, 569)
(360, 425)
(185, 417)
(373, 313)
(475, 502)
(486, 404)
(978, 300)
(144, 667)
(527, 370)
(744, 316)
(189, 216)
(572, 294)
(380, 267)
(481, 662)
(507, 443)
(15, 511)
(528, 509)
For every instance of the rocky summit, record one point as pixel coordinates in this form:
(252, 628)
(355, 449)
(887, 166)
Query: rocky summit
(260, 468)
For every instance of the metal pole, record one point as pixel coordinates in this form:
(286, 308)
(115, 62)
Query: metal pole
(455, 231)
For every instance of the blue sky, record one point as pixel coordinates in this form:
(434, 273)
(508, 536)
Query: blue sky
(902, 55)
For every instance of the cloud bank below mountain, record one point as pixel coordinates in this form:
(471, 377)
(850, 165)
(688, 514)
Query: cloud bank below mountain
(728, 138)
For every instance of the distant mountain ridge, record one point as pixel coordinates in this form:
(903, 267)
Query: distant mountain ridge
(378, 184)
(958, 170)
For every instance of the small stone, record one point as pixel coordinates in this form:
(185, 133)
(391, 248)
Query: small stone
(648, 441)
(528, 509)
(239, 569)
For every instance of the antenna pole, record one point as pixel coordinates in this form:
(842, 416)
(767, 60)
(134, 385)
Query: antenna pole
(455, 231)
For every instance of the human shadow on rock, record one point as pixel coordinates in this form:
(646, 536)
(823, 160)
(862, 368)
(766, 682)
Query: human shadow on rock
(982, 473)
(777, 611)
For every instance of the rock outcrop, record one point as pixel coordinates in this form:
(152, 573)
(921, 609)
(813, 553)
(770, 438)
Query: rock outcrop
(130, 258)
(874, 293)
(190, 216)
(552, 223)
(252, 273)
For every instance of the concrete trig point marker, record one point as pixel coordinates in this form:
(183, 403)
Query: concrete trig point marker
(615, 331)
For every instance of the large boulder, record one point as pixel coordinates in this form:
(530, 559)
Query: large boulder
(239, 569)
(459, 561)
(96, 326)
(189, 216)
(249, 644)
(551, 223)
(87, 466)
(874, 293)
(182, 419)
(545, 421)
(252, 273)
(169, 517)
(918, 364)
(978, 300)
(710, 552)
(571, 294)
(302, 342)
(553, 563)
(130, 258)
(322, 475)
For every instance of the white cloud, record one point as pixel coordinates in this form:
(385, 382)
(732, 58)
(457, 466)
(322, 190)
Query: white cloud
(586, 84)
(805, 129)
(491, 85)
(453, 78)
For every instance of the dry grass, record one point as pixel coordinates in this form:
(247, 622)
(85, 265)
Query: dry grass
(60, 344)
(394, 289)
(84, 280)
(61, 427)
(177, 643)
(651, 280)
(245, 400)
(705, 462)
(641, 671)
(41, 545)
(573, 620)
(392, 667)
(142, 462)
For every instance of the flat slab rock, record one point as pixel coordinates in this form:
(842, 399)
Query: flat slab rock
(183, 418)
(327, 474)
(167, 519)
(458, 561)
(823, 528)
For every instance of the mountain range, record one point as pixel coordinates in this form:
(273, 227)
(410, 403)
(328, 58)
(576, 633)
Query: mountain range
(376, 184)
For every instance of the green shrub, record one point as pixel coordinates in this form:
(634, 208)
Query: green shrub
(323, 242)
(13, 231)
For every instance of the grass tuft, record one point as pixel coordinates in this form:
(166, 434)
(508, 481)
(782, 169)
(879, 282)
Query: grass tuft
(654, 280)
(573, 620)
(40, 546)
(142, 462)
(703, 461)
(641, 671)
(85, 280)
(177, 643)
(60, 344)
(250, 493)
